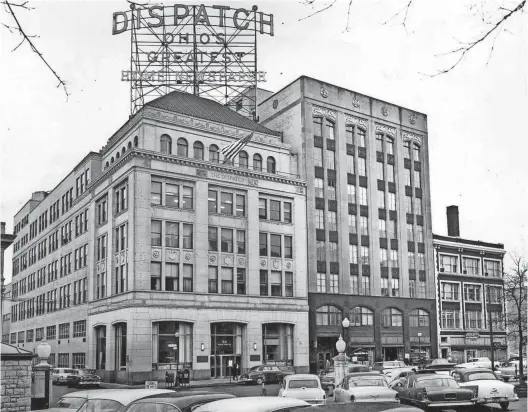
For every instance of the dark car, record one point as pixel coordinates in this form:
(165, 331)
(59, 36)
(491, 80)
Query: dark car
(359, 407)
(175, 402)
(264, 373)
(431, 391)
(439, 364)
(381, 366)
(80, 378)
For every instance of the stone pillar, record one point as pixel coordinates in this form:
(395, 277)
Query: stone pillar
(340, 362)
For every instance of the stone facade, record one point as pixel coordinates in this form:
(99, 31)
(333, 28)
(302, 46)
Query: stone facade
(16, 380)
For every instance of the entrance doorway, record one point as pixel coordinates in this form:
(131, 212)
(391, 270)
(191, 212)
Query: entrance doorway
(223, 366)
(444, 353)
(392, 353)
(226, 349)
(322, 357)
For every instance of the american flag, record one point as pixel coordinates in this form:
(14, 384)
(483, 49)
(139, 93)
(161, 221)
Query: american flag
(232, 149)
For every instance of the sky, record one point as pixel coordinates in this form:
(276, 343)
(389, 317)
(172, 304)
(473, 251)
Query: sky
(476, 113)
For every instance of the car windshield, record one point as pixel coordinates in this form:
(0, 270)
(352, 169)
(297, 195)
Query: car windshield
(303, 383)
(101, 405)
(255, 368)
(436, 383)
(70, 402)
(365, 381)
(152, 407)
(481, 376)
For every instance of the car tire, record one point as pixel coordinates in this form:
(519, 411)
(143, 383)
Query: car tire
(260, 381)
(330, 390)
(504, 405)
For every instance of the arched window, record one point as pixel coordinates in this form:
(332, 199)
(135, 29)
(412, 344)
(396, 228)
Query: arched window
(416, 151)
(130, 145)
(118, 155)
(361, 316)
(106, 165)
(214, 155)
(391, 317)
(182, 147)
(328, 316)
(136, 141)
(112, 160)
(198, 150)
(271, 165)
(100, 347)
(257, 162)
(419, 318)
(120, 346)
(123, 150)
(243, 159)
(166, 144)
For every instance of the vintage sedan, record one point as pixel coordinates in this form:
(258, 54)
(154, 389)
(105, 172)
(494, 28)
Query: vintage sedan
(253, 404)
(359, 407)
(488, 388)
(510, 370)
(303, 386)
(328, 380)
(365, 388)
(109, 400)
(397, 373)
(382, 366)
(175, 402)
(264, 374)
(433, 391)
(83, 378)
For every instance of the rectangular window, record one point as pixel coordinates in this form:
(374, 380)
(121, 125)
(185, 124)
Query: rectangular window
(417, 179)
(78, 360)
(363, 225)
(330, 128)
(226, 240)
(450, 291)
(379, 171)
(155, 233)
(361, 135)
(263, 241)
(172, 234)
(241, 205)
(155, 193)
(365, 285)
(318, 127)
(241, 281)
(287, 212)
(349, 134)
(473, 319)
(64, 360)
(276, 283)
(450, 319)
(420, 234)
(213, 238)
(381, 197)
(383, 257)
(155, 276)
(213, 279)
(332, 220)
(321, 250)
(227, 280)
(351, 190)
(364, 255)
(395, 283)
(319, 187)
(172, 195)
(288, 247)
(411, 261)
(213, 201)
(363, 196)
(472, 293)
(187, 199)
(29, 335)
(354, 284)
(350, 164)
(417, 207)
(421, 261)
(362, 166)
(379, 142)
(51, 332)
(392, 201)
(385, 287)
(121, 197)
(331, 189)
(187, 278)
(172, 277)
(412, 288)
(64, 331)
(321, 282)
(319, 219)
(407, 177)
(408, 205)
(334, 283)
(352, 223)
(263, 209)
(382, 225)
(471, 266)
(330, 159)
(353, 254)
(390, 173)
(187, 237)
(275, 246)
(39, 334)
(263, 283)
(275, 210)
(448, 264)
(318, 156)
(226, 204)
(492, 268)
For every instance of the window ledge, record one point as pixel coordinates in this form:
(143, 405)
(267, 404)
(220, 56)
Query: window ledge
(171, 208)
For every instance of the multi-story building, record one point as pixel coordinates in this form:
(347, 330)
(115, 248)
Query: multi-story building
(370, 245)
(470, 295)
(6, 313)
(154, 254)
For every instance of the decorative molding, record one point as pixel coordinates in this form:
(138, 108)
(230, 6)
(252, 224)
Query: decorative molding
(412, 118)
(227, 260)
(356, 120)
(188, 257)
(253, 182)
(355, 103)
(263, 263)
(156, 253)
(241, 262)
(391, 131)
(385, 111)
(411, 136)
(172, 254)
(201, 173)
(275, 103)
(276, 264)
(300, 190)
(324, 93)
(122, 257)
(319, 111)
(213, 258)
(289, 265)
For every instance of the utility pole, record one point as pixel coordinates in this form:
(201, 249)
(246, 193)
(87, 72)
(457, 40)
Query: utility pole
(488, 294)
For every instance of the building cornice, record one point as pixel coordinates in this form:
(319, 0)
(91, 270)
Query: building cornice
(467, 246)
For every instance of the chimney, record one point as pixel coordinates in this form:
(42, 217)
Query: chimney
(453, 228)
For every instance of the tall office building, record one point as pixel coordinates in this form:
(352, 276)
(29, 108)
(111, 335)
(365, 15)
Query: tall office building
(155, 255)
(370, 249)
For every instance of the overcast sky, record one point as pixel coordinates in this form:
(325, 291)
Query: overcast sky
(476, 113)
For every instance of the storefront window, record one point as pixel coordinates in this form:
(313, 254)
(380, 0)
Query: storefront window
(100, 347)
(171, 345)
(121, 346)
(277, 343)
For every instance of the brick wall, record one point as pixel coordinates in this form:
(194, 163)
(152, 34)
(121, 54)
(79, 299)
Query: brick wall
(16, 385)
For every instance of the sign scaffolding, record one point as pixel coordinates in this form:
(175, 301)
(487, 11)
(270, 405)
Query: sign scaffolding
(208, 51)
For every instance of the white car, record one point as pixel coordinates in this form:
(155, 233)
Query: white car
(253, 404)
(303, 386)
(487, 387)
(59, 376)
(477, 363)
(365, 388)
(510, 369)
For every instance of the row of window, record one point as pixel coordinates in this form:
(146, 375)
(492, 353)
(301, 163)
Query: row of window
(168, 234)
(171, 194)
(167, 277)
(472, 293)
(470, 266)
(363, 316)
(473, 319)
(77, 331)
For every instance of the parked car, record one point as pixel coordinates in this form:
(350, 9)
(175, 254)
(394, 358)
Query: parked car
(433, 391)
(477, 363)
(59, 376)
(359, 407)
(83, 378)
(253, 404)
(264, 373)
(510, 370)
(396, 373)
(109, 400)
(365, 388)
(439, 364)
(328, 380)
(381, 366)
(488, 388)
(174, 402)
(303, 386)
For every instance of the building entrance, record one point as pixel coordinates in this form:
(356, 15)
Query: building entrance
(223, 366)
(226, 348)
(392, 353)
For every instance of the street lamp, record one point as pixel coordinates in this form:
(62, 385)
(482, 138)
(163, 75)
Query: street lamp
(43, 352)
(346, 325)
(420, 347)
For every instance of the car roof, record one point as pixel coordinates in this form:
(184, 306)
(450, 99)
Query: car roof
(251, 403)
(184, 401)
(431, 375)
(301, 376)
(123, 396)
(472, 370)
(360, 407)
(370, 373)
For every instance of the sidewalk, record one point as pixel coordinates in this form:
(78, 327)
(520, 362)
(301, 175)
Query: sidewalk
(161, 385)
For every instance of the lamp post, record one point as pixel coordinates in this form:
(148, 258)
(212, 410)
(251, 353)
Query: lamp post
(340, 361)
(346, 325)
(420, 348)
(42, 383)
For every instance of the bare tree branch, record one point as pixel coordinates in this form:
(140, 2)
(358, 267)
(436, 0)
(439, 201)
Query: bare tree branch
(23, 5)
(348, 15)
(318, 11)
(26, 38)
(406, 10)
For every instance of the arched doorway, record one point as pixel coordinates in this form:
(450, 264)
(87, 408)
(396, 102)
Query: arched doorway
(226, 348)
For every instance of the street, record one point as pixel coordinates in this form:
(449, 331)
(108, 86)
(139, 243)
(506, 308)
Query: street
(273, 390)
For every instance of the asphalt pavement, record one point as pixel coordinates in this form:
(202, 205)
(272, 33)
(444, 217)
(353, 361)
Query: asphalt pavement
(242, 390)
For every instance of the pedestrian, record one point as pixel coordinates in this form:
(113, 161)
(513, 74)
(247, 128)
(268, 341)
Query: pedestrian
(237, 371)
(327, 366)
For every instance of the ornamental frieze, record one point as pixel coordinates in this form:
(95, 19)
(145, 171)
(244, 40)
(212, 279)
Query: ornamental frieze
(319, 111)
(411, 136)
(391, 131)
(356, 121)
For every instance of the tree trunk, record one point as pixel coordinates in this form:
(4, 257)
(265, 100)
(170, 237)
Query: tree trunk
(521, 366)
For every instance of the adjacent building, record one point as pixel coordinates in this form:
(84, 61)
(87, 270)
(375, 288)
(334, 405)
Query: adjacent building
(370, 248)
(470, 295)
(155, 254)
